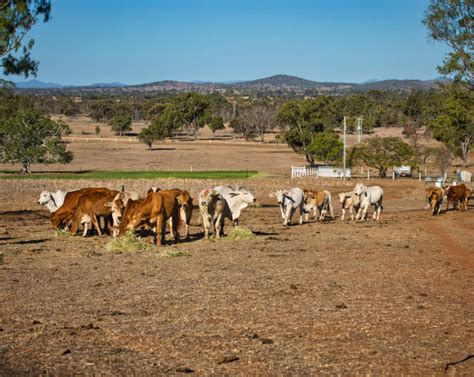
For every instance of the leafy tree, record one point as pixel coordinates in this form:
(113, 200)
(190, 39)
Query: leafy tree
(240, 126)
(97, 130)
(443, 157)
(190, 111)
(452, 22)
(17, 17)
(383, 153)
(121, 123)
(326, 147)
(300, 120)
(147, 136)
(217, 123)
(28, 137)
(259, 118)
(455, 126)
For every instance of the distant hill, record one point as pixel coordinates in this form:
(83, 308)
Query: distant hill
(36, 84)
(277, 84)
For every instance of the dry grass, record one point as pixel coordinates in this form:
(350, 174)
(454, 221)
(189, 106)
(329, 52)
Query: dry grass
(171, 253)
(241, 233)
(128, 243)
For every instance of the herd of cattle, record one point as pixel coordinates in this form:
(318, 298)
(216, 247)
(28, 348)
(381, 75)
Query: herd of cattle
(454, 194)
(124, 211)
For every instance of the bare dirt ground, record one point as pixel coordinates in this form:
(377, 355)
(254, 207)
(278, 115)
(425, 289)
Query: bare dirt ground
(388, 298)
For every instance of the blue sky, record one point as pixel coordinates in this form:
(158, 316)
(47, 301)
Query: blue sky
(137, 41)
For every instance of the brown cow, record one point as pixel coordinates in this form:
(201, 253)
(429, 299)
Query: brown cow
(434, 195)
(467, 197)
(455, 194)
(62, 217)
(92, 205)
(155, 210)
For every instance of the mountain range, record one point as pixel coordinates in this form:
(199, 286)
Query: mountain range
(277, 83)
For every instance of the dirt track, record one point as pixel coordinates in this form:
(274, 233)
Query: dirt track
(393, 297)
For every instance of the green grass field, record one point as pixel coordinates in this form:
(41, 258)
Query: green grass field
(224, 174)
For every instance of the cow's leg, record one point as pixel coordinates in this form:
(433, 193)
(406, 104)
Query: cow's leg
(160, 230)
(175, 228)
(301, 214)
(217, 227)
(95, 223)
(331, 211)
(343, 213)
(84, 232)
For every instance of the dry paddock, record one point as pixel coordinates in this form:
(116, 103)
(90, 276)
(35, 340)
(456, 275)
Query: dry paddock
(332, 298)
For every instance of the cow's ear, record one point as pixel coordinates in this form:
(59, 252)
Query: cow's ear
(272, 195)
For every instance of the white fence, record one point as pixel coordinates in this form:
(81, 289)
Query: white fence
(319, 171)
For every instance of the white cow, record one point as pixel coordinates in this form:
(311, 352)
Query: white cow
(222, 202)
(368, 196)
(52, 200)
(289, 201)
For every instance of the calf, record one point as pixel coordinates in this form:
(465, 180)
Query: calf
(211, 206)
(349, 201)
(318, 201)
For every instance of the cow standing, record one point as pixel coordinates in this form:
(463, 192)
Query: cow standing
(434, 196)
(349, 201)
(220, 203)
(368, 196)
(289, 201)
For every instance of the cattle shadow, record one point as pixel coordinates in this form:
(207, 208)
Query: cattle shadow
(162, 149)
(28, 242)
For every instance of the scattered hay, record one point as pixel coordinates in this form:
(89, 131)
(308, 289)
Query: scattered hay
(61, 233)
(240, 233)
(256, 204)
(171, 253)
(129, 243)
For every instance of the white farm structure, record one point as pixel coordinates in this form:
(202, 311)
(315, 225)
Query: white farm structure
(320, 171)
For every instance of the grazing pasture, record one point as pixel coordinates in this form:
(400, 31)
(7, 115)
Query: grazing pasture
(388, 297)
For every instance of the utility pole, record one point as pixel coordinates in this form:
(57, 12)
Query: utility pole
(344, 150)
(359, 128)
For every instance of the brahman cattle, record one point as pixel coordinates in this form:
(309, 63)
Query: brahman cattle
(434, 196)
(52, 200)
(368, 196)
(220, 203)
(289, 201)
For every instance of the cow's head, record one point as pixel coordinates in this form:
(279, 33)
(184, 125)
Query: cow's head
(243, 195)
(184, 200)
(45, 198)
(359, 189)
(117, 207)
(153, 189)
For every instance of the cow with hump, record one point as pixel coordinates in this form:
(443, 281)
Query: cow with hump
(220, 203)
(289, 201)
